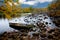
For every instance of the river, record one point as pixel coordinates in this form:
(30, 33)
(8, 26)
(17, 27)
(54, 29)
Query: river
(4, 23)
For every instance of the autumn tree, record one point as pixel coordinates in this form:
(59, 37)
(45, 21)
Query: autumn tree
(54, 8)
(31, 9)
(10, 8)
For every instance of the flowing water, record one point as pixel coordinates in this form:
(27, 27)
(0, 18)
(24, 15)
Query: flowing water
(43, 18)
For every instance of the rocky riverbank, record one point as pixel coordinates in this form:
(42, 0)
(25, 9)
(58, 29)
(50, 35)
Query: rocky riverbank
(45, 33)
(53, 34)
(43, 29)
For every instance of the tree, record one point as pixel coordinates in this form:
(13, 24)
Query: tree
(31, 9)
(9, 8)
(54, 8)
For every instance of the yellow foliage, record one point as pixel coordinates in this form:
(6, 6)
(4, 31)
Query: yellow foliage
(26, 10)
(55, 7)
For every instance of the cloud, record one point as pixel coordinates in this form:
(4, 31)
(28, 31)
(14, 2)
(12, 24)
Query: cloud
(42, 1)
(30, 2)
(33, 2)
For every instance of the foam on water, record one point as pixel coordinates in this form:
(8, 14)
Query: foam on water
(4, 23)
(4, 26)
(33, 19)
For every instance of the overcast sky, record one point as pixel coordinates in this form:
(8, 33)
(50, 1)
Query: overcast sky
(33, 2)
(38, 3)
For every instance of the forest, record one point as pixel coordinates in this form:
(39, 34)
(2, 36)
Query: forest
(11, 10)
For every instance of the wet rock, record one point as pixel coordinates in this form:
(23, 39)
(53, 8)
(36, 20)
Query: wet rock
(36, 34)
(15, 20)
(25, 20)
(43, 35)
(40, 16)
(34, 21)
(50, 23)
(52, 30)
(24, 34)
(40, 19)
(45, 18)
(30, 18)
(44, 15)
(50, 37)
(46, 22)
(22, 30)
